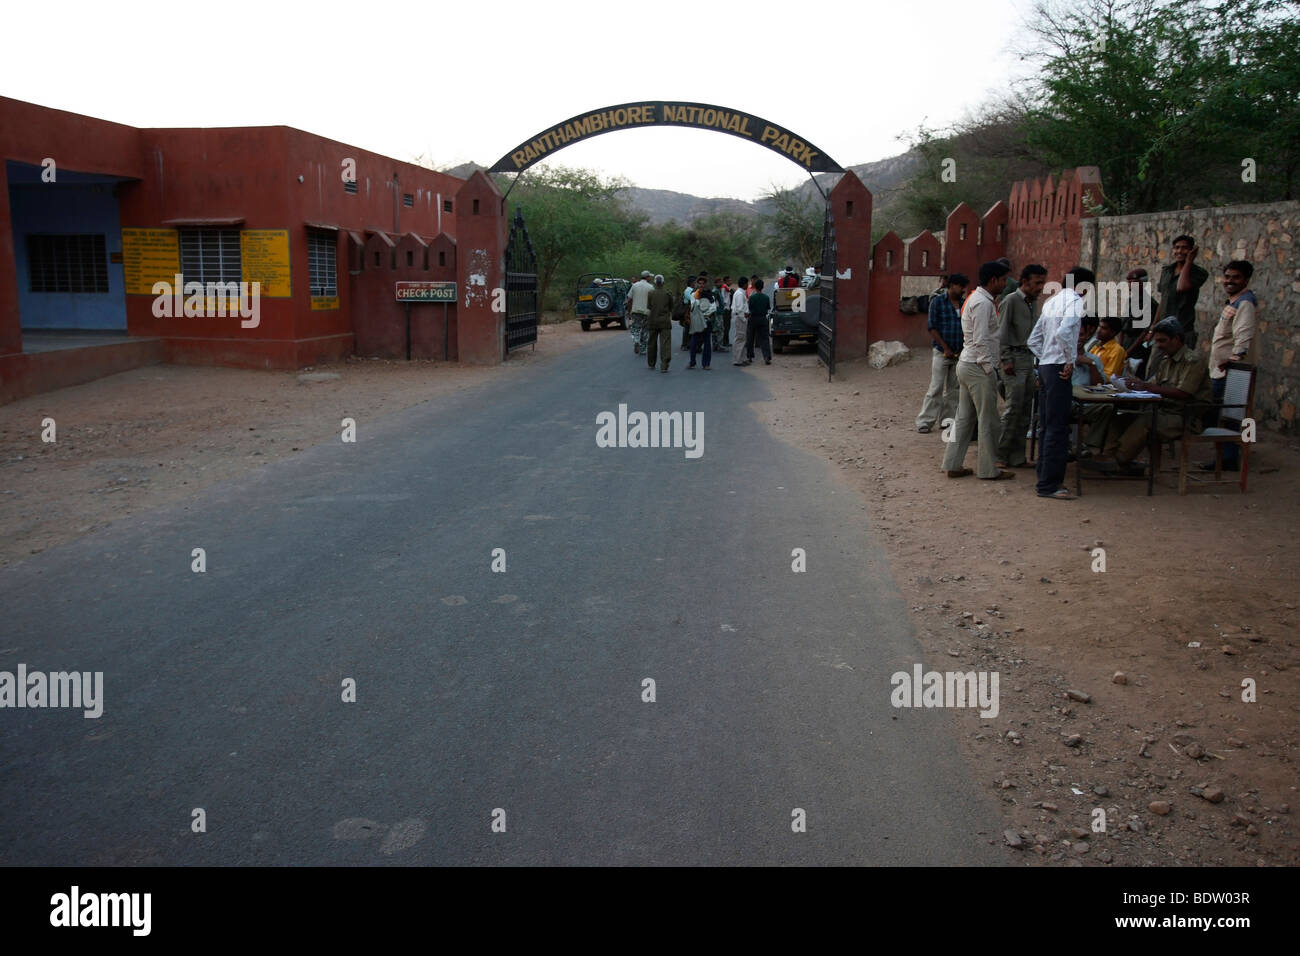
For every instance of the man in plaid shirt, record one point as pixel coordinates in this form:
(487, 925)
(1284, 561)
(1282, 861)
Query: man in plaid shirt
(945, 330)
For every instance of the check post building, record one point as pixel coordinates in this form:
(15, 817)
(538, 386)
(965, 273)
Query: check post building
(98, 219)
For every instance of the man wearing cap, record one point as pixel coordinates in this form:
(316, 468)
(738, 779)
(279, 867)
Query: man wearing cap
(639, 305)
(1181, 379)
(659, 326)
(788, 279)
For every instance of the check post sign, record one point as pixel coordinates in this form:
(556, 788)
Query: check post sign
(414, 291)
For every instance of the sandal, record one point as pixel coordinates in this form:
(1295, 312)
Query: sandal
(960, 473)
(1060, 494)
(1001, 476)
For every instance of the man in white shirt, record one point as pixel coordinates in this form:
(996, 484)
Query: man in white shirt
(977, 378)
(639, 306)
(739, 320)
(1055, 341)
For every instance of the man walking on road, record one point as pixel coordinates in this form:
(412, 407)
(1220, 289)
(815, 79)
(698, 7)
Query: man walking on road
(739, 319)
(759, 305)
(659, 326)
(639, 305)
(1017, 314)
(977, 376)
(702, 309)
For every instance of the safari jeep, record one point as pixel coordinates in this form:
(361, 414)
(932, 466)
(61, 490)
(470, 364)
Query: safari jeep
(794, 316)
(601, 298)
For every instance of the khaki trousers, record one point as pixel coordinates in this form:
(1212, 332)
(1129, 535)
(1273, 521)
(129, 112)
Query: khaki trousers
(978, 401)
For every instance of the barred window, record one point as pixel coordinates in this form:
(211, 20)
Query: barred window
(322, 262)
(210, 255)
(408, 200)
(67, 263)
(350, 186)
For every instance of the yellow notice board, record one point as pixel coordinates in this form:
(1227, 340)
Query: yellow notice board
(264, 254)
(323, 303)
(149, 256)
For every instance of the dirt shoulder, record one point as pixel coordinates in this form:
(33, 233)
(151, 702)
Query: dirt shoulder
(1001, 580)
(154, 436)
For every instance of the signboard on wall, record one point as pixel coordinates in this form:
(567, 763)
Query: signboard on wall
(149, 256)
(321, 303)
(264, 257)
(422, 291)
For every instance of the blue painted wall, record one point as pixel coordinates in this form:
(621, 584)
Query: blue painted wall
(73, 204)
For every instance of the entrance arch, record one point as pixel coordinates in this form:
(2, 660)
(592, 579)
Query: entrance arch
(517, 324)
(719, 119)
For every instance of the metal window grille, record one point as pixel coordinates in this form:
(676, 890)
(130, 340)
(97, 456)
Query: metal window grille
(408, 200)
(210, 255)
(322, 262)
(350, 186)
(446, 205)
(67, 263)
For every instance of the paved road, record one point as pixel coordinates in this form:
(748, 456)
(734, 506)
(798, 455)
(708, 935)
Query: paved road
(478, 690)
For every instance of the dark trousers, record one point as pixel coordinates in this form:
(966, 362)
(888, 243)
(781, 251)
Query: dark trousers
(1231, 453)
(1054, 414)
(758, 330)
(659, 346)
(726, 328)
(702, 339)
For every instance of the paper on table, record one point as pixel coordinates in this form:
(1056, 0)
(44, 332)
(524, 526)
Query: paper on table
(1137, 395)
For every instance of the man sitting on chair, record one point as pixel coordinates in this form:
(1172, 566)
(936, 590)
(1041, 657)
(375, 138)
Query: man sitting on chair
(1181, 379)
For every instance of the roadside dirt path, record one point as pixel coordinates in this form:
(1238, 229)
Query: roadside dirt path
(1199, 594)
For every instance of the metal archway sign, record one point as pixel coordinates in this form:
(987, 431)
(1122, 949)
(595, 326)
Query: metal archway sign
(719, 119)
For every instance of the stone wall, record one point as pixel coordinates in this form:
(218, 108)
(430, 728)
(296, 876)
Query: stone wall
(1265, 235)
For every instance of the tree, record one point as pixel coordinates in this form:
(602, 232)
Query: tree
(573, 216)
(793, 225)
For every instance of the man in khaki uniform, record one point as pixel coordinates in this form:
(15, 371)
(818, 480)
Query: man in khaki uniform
(1182, 377)
(659, 326)
(1017, 314)
(1233, 341)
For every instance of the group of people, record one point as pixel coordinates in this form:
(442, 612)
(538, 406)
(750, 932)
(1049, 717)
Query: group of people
(715, 317)
(1003, 339)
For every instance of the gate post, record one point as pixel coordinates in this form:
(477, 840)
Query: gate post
(851, 207)
(480, 252)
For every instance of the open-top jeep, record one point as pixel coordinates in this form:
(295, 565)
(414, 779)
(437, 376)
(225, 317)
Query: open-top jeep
(794, 315)
(601, 298)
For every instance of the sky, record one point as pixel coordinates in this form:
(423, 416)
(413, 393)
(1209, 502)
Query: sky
(458, 82)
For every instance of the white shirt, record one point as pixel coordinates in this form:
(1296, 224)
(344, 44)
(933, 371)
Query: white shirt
(1055, 339)
(641, 297)
(979, 329)
(739, 305)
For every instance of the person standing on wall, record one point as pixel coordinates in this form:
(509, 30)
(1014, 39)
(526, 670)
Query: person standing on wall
(1017, 315)
(1055, 341)
(977, 378)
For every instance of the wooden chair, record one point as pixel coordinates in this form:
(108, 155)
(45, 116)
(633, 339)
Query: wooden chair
(1238, 395)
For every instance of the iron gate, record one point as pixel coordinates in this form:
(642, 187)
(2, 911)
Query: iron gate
(521, 286)
(826, 321)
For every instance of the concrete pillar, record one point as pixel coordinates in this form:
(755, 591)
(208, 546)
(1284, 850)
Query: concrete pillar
(480, 270)
(851, 207)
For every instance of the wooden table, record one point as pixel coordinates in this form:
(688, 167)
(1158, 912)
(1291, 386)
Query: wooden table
(1083, 396)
